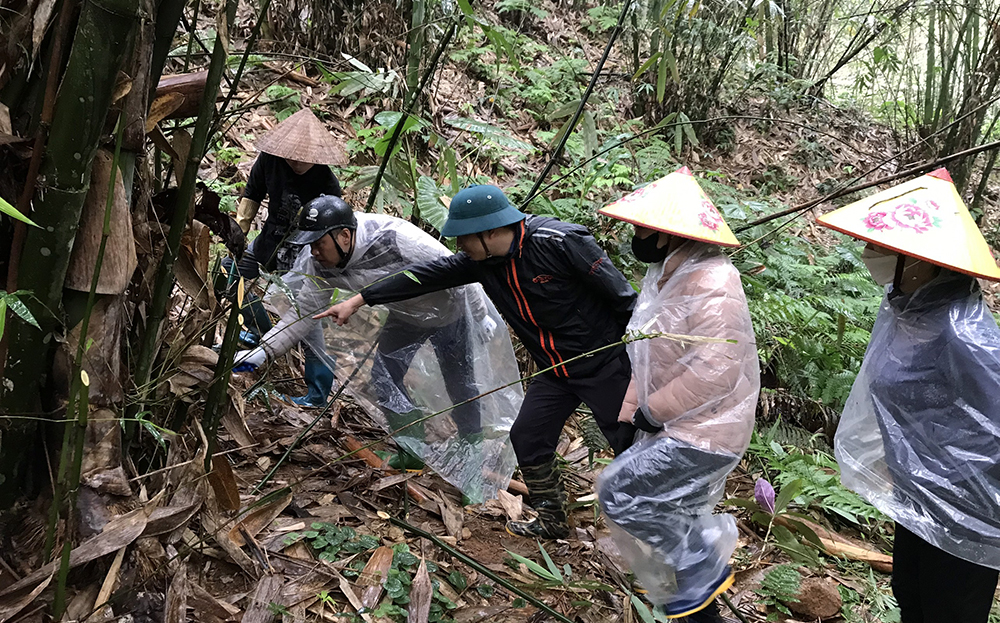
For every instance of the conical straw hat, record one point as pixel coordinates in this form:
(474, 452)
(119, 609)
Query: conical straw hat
(677, 205)
(924, 218)
(303, 137)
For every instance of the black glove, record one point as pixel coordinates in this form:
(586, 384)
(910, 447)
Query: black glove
(645, 423)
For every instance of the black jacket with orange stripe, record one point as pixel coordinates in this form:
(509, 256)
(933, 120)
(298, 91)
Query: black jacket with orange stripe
(556, 288)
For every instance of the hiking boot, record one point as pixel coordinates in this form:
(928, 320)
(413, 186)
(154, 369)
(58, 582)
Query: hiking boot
(548, 498)
(708, 614)
(704, 608)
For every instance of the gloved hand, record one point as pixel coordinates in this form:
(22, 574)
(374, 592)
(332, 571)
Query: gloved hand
(487, 327)
(249, 360)
(646, 423)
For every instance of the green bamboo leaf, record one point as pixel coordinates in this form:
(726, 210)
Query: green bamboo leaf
(642, 609)
(489, 133)
(156, 434)
(553, 568)
(466, 7)
(533, 566)
(564, 111)
(667, 120)
(451, 159)
(3, 315)
(20, 309)
(590, 133)
(428, 203)
(558, 135)
(666, 7)
(12, 212)
(661, 80)
(645, 67)
(411, 276)
(678, 139)
(672, 64)
(688, 129)
(787, 494)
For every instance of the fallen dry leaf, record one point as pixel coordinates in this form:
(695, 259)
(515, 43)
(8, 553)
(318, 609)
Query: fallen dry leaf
(421, 591)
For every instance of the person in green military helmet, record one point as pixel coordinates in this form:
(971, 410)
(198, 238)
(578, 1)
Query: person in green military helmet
(347, 252)
(563, 297)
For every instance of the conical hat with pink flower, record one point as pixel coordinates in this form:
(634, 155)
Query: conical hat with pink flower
(677, 205)
(924, 218)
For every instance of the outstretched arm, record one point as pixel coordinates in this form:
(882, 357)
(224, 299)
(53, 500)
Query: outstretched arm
(441, 274)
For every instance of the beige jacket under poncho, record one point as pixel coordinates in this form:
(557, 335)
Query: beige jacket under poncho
(703, 393)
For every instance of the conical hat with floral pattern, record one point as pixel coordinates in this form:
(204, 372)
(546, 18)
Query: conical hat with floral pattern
(677, 205)
(924, 218)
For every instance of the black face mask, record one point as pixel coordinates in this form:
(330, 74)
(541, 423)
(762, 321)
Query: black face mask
(645, 249)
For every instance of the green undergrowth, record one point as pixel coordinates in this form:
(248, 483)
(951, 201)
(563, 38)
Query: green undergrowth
(818, 475)
(349, 551)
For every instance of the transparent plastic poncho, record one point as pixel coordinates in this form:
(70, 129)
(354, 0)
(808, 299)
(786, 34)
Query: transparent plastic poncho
(432, 352)
(660, 494)
(920, 433)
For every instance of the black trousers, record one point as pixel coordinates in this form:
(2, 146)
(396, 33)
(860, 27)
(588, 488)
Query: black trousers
(265, 250)
(932, 586)
(397, 346)
(550, 401)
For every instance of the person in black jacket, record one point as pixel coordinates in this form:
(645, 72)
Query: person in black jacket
(562, 296)
(291, 170)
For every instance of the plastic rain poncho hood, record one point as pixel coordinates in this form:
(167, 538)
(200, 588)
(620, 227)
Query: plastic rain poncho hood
(659, 495)
(424, 331)
(920, 434)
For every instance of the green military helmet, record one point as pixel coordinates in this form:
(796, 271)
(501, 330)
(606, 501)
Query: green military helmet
(321, 216)
(477, 209)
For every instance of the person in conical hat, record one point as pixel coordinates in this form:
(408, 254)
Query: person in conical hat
(291, 170)
(920, 434)
(693, 403)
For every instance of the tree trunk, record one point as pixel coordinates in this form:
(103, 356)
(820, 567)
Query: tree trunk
(100, 45)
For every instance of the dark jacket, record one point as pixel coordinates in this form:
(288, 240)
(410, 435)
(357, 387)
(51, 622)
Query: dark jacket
(287, 192)
(935, 388)
(556, 288)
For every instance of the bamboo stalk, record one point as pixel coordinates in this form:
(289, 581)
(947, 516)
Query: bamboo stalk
(165, 275)
(77, 404)
(411, 100)
(103, 37)
(191, 36)
(220, 383)
(920, 168)
(41, 136)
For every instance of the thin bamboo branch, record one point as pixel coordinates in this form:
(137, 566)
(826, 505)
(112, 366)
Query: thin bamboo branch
(218, 393)
(251, 42)
(411, 101)
(920, 168)
(568, 128)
